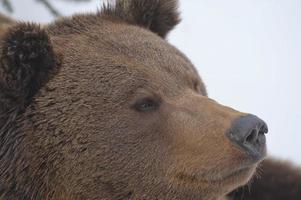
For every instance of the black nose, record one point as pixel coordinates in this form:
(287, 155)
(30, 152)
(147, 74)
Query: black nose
(248, 133)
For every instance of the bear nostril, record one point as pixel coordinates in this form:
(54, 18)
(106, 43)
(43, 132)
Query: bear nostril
(252, 137)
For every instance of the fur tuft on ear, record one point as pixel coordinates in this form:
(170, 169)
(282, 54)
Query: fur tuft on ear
(27, 62)
(159, 16)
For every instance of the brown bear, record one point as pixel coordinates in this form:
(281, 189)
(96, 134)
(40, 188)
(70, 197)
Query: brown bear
(101, 106)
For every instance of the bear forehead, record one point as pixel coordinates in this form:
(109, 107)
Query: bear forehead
(118, 50)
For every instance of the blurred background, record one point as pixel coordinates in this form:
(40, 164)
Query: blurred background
(247, 52)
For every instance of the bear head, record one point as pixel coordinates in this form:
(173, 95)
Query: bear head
(101, 106)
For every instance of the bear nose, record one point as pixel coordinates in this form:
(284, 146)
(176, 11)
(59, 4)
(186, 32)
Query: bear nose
(248, 133)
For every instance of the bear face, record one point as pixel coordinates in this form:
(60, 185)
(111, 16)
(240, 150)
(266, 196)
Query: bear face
(103, 107)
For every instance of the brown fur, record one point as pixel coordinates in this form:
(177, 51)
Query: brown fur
(70, 124)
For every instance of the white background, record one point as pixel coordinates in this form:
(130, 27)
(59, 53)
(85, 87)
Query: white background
(248, 53)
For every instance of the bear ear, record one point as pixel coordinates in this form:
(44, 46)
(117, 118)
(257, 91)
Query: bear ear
(159, 16)
(27, 62)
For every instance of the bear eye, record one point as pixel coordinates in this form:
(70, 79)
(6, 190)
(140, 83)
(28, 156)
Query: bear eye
(146, 105)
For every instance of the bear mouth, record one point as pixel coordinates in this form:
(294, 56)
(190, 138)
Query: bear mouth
(238, 175)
